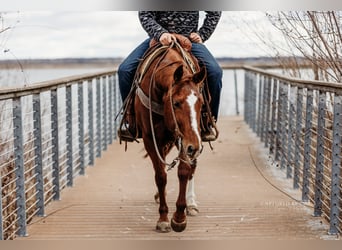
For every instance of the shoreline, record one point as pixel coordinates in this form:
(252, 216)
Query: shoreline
(261, 62)
(56, 65)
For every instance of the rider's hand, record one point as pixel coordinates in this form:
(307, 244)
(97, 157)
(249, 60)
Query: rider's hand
(195, 38)
(166, 38)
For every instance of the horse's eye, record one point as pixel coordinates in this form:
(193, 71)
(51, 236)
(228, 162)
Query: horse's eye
(176, 104)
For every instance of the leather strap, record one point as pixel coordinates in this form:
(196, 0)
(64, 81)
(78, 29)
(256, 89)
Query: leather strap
(156, 107)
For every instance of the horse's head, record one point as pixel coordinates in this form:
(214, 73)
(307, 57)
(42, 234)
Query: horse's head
(182, 108)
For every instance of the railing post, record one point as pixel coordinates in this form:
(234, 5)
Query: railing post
(284, 119)
(69, 148)
(19, 165)
(98, 118)
(245, 100)
(91, 122)
(320, 154)
(250, 99)
(259, 121)
(273, 116)
(299, 117)
(247, 90)
(335, 197)
(39, 156)
(263, 109)
(279, 130)
(81, 126)
(104, 112)
(117, 104)
(290, 135)
(110, 108)
(55, 145)
(307, 145)
(236, 94)
(253, 102)
(267, 109)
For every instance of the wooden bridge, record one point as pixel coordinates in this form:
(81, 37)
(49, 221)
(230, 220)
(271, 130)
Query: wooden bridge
(115, 197)
(259, 181)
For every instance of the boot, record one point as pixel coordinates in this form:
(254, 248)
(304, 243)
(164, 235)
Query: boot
(125, 133)
(208, 133)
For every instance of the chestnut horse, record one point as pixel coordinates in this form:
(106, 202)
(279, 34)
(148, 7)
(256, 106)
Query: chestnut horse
(168, 113)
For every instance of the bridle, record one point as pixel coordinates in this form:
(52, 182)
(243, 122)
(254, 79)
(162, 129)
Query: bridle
(177, 133)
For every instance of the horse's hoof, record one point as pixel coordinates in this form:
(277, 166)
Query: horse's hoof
(178, 227)
(192, 210)
(163, 227)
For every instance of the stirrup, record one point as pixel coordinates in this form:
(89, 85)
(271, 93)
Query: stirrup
(208, 136)
(125, 135)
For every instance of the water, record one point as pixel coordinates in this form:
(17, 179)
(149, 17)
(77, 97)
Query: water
(228, 102)
(16, 78)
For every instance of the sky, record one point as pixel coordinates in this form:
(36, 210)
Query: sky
(61, 34)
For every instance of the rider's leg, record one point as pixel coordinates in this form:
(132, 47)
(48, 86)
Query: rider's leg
(127, 68)
(214, 78)
(126, 72)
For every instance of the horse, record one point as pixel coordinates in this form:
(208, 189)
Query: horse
(168, 107)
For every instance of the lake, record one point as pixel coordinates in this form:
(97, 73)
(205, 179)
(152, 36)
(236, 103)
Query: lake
(17, 78)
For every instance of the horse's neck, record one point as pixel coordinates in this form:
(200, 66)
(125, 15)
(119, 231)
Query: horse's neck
(158, 67)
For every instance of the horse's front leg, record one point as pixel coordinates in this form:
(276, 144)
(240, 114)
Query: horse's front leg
(160, 176)
(178, 221)
(163, 224)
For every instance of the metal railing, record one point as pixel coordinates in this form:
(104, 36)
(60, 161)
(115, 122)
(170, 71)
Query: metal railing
(49, 133)
(301, 124)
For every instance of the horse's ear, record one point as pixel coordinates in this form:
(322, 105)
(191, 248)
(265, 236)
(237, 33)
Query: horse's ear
(199, 76)
(178, 73)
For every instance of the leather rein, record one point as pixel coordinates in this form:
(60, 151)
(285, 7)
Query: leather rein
(157, 108)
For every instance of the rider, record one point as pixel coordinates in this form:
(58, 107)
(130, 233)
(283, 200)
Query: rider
(160, 25)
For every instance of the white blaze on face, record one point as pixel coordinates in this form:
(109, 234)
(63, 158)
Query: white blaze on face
(191, 100)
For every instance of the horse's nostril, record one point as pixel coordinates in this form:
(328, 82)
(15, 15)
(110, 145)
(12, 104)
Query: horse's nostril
(191, 150)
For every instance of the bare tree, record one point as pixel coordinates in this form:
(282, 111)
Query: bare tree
(317, 37)
(2, 28)
(6, 29)
(267, 40)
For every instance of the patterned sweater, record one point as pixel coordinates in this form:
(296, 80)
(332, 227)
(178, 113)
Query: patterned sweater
(156, 23)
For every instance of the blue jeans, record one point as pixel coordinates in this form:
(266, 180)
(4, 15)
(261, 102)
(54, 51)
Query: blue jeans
(128, 67)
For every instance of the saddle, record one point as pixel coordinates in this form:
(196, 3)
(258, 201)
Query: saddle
(155, 49)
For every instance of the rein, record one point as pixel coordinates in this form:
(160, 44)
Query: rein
(151, 103)
(156, 107)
